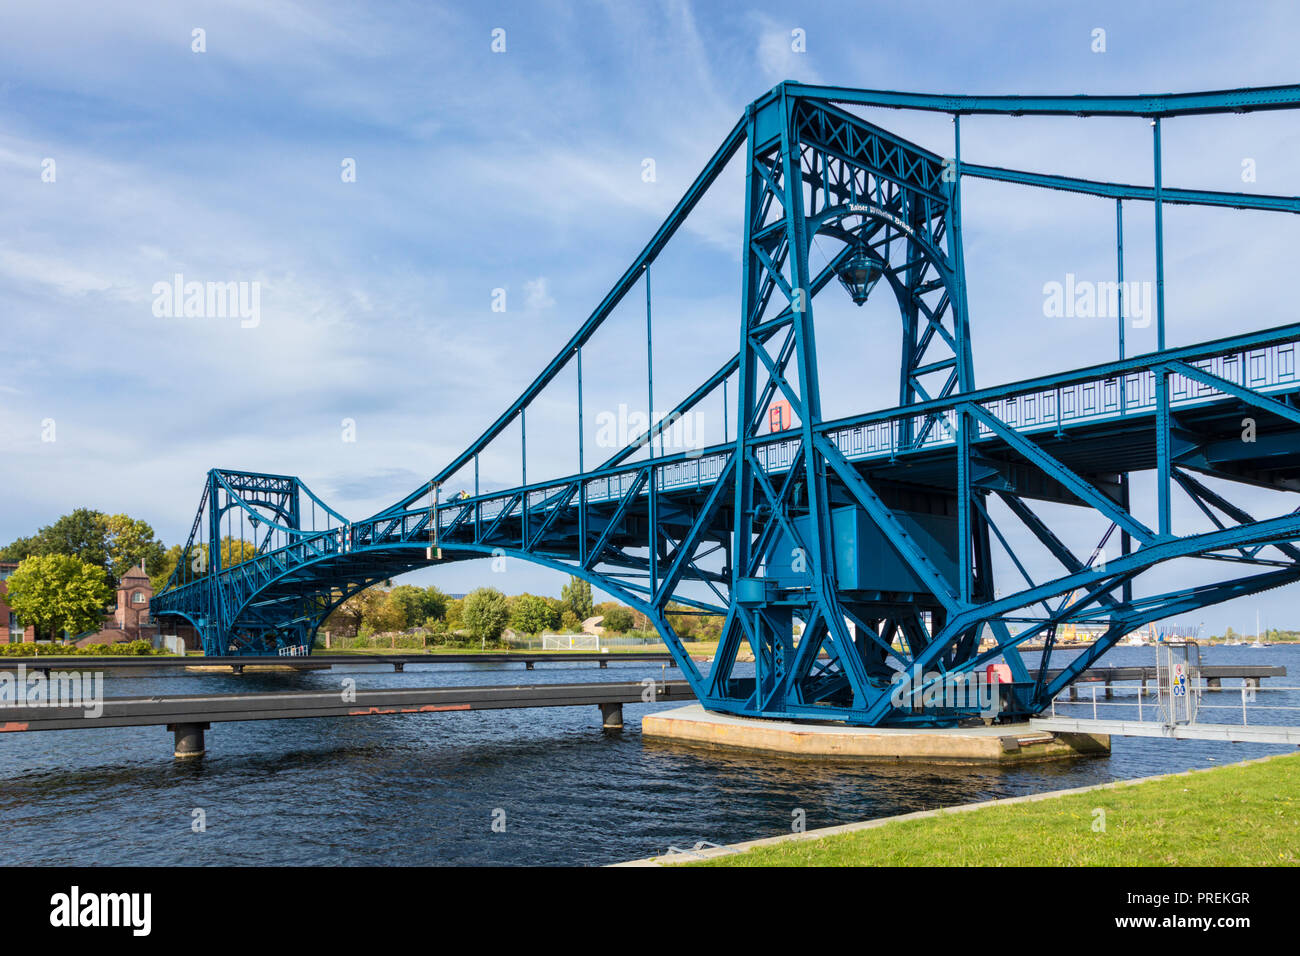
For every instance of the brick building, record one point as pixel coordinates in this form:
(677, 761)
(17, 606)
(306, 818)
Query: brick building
(128, 620)
(11, 629)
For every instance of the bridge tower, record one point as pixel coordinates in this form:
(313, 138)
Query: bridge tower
(831, 555)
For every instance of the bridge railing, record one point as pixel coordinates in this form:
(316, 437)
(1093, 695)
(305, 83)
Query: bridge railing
(1144, 703)
(1267, 369)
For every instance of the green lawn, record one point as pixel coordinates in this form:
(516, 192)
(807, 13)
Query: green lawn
(1229, 816)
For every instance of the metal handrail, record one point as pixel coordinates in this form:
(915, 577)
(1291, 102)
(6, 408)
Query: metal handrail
(1247, 696)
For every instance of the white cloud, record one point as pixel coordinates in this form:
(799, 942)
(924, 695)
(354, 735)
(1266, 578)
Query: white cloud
(777, 56)
(537, 294)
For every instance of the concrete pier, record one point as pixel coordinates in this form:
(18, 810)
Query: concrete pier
(611, 716)
(997, 744)
(188, 740)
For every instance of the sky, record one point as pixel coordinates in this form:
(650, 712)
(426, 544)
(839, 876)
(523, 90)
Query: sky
(133, 150)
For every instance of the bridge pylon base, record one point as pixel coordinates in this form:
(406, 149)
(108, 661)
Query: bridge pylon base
(996, 744)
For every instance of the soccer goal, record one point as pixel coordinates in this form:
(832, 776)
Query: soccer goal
(571, 642)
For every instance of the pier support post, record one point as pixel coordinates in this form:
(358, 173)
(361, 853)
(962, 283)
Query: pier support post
(611, 716)
(603, 664)
(188, 739)
(528, 665)
(1213, 683)
(399, 667)
(1110, 691)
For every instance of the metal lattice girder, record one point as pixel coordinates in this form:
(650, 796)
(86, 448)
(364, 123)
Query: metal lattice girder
(873, 531)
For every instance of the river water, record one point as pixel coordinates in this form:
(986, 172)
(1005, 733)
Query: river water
(426, 789)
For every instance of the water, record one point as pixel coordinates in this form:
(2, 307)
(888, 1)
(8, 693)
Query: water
(422, 789)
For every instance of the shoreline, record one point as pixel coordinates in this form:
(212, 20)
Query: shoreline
(701, 853)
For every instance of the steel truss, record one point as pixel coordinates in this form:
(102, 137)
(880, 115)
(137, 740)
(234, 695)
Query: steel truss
(845, 552)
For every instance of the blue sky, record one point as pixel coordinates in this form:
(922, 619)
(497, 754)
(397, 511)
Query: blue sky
(522, 170)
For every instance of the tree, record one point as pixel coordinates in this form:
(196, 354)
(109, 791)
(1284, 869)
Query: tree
(345, 620)
(454, 615)
(171, 557)
(532, 614)
(236, 551)
(709, 628)
(576, 596)
(18, 549)
(382, 614)
(82, 534)
(683, 624)
(115, 543)
(569, 622)
(484, 613)
(58, 592)
(408, 602)
(435, 604)
(130, 541)
(618, 620)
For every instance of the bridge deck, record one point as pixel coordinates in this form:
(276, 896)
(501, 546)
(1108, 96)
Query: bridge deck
(212, 708)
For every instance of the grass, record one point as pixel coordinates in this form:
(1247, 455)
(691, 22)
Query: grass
(1242, 815)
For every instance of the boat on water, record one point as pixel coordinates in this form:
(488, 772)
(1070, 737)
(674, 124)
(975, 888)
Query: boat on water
(1258, 631)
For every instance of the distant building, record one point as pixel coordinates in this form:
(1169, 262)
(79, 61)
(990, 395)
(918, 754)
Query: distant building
(128, 620)
(11, 629)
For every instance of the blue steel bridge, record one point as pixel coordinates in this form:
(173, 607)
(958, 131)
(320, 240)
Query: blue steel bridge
(841, 551)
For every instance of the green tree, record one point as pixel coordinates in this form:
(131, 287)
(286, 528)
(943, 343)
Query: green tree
(532, 614)
(171, 557)
(709, 628)
(130, 541)
(197, 562)
(408, 604)
(618, 620)
(454, 615)
(684, 624)
(484, 613)
(569, 622)
(82, 534)
(58, 592)
(386, 616)
(435, 604)
(345, 620)
(576, 596)
(115, 543)
(236, 551)
(19, 549)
